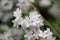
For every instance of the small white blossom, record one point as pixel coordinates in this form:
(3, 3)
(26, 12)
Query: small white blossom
(35, 18)
(29, 35)
(46, 35)
(17, 14)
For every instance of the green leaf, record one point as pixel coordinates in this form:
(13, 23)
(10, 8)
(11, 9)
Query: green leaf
(9, 23)
(25, 13)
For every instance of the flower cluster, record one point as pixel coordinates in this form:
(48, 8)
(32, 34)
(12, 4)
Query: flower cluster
(39, 35)
(34, 19)
(31, 25)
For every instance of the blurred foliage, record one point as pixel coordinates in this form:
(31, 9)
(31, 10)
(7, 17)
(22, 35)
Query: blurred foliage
(13, 36)
(22, 38)
(37, 2)
(56, 2)
(56, 25)
(9, 23)
(2, 30)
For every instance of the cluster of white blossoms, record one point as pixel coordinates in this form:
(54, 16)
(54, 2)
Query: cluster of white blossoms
(33, 19)
(31, 25)
(39, 35)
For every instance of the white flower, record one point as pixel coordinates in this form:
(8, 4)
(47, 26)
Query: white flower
(24, 4)
(46, 35)
(35, 18)
(45, 3)
(18, 20)
(27, 22)
(17, 13)
(29, 35)
(34, 15)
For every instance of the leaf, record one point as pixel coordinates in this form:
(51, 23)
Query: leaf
(9, 23)
(25, 13)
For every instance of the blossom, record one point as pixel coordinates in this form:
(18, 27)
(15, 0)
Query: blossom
(18, 20)
(17, 13)
(29, 35)
(35, 18)
(46, 35)
(43, 35)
